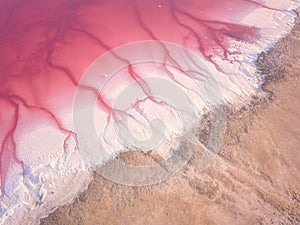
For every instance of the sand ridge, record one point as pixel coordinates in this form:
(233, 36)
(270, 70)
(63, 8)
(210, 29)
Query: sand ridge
(254, 180)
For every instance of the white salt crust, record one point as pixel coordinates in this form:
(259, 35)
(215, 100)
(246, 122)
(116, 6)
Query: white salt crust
(58, 176)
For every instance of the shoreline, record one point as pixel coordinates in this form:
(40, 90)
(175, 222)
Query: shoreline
(209, 187)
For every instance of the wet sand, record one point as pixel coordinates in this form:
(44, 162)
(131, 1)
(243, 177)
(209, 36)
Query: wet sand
(254, 180)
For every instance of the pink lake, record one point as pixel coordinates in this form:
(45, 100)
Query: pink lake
(49, 48)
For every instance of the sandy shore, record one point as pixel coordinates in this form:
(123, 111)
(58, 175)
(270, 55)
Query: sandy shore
(254, 180)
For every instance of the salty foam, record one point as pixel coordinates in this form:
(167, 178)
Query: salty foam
(59, 174)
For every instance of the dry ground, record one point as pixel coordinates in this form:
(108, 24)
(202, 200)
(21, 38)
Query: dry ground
(254, 180)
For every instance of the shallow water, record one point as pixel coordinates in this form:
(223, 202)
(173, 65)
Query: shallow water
(67, 107)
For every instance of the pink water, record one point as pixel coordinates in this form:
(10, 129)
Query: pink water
(46, 46)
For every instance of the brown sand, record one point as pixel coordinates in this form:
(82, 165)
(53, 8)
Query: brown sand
(254, 180)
